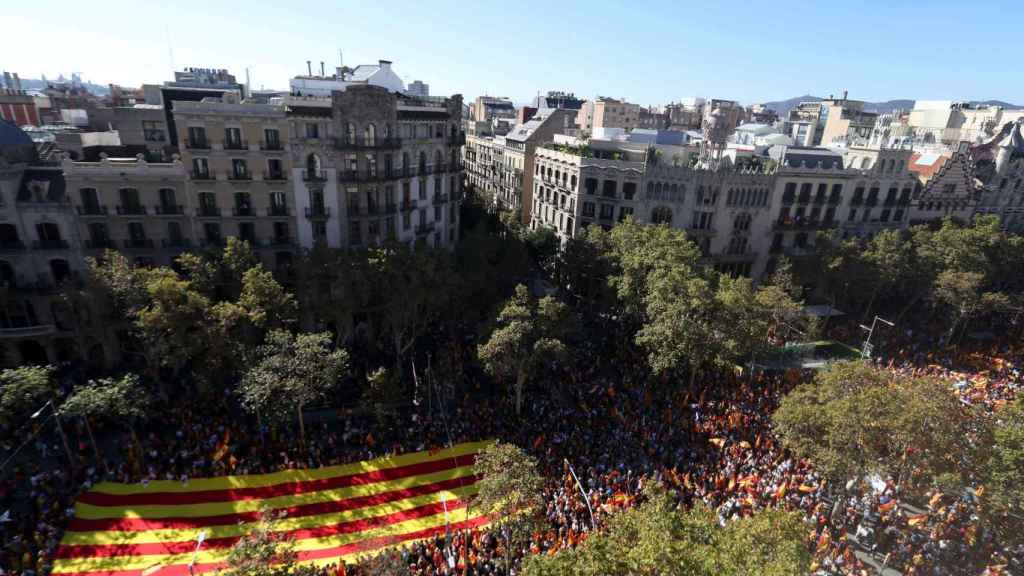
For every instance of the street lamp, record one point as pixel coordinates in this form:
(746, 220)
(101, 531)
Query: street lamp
(583, 493)
(56, 416)
(868, 346)
(199, 543)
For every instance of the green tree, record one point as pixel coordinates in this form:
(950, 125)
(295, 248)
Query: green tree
(656, 538)
(263, 551)
(121, 399)
(584, 265)
(855, 419)
(543, 246)
(510, 488)
(528, 336)
(961, 293)
(1004, 470)
(291, 372)
(23, 390)
(889, 258)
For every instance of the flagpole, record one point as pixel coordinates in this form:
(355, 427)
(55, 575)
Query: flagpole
(593, 525)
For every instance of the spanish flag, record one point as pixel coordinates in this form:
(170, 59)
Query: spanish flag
(332, 514)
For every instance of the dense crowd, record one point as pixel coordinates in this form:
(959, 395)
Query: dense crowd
(712, 444)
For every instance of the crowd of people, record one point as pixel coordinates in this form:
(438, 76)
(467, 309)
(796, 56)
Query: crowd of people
(712, 444)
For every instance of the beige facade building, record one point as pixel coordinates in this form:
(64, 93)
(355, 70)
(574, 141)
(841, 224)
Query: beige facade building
(847, 123)
(742, 218)
(608, 113)
(239, 175)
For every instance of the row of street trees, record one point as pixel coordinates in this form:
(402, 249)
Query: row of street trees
(952, 271)
(855, 420)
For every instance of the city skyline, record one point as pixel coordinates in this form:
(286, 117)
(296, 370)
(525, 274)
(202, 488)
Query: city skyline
(657, 54)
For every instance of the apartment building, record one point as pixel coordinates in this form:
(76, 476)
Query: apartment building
(804, 123)
(501, 167)
(846, 122)
(608, 113)
(371, 165)
(39, 251)
(139, 208)
(239, 172)
(742, 217)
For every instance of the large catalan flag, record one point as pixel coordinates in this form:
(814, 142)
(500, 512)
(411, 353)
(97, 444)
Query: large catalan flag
(332, 514)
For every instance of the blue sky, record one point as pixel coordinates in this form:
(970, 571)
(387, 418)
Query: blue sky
(648, 52)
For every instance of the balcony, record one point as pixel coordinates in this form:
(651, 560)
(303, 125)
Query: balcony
(97, 210)
(361, 142)
(131, 210)
(57, 244)
(100, 244)
(243, 211)
(27, 331)
(208, 212)
(278, 211)
(274, 177)
(803, 224)
(12, 246)
(197, 144)
(169, 210)
(314, 175)
(240, 176)
(197, 175)
(214, 242)
(236, 145)
(180, 243)
(138, 244)
(271, 146)
(279, 242)
(318, 212)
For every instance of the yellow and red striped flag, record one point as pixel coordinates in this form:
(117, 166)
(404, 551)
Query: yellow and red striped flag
(332, 514)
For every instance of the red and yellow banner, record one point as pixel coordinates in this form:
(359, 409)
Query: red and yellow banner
(332, 514)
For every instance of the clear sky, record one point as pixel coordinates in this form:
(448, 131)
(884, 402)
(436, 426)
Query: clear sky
(649, 52)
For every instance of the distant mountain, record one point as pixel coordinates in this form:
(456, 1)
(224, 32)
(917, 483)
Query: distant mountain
(782, 107)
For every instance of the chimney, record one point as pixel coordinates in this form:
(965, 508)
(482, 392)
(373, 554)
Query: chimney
(322, 68)
(7, 80)
(386, 64)
(845, 93)
(17, 82)
(309, 67)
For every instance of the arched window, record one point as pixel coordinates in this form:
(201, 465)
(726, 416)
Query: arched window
(313, 165)
(370, 134)
(423, 162)
(661, 215)
(865, 163)
(650, 190)
(892, 165)
(350, 133)
(675, 192)
(741, 222)
(438, 160)
(730, 197)
(657, 191)
(387, 131)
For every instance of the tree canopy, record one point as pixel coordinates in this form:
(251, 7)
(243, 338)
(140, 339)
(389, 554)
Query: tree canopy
(658, 538)
(855, 420)
(24, 390)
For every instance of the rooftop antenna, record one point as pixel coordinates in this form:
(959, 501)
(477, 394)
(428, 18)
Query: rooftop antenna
(170, 47)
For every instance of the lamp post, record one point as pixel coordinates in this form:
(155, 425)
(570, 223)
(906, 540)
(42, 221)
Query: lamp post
(56, 416)
(593, 525)
(199, 543)
(868, 346)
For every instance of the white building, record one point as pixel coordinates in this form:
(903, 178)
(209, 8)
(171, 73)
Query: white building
(379, 74)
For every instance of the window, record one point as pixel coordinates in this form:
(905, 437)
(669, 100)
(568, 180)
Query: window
(885, 215)
(661, 215)
(590, 185)
(197, 137)
(319, 231)
(174, 236)
(99, 234)
(437, 213)
(243, 204)
(628, 190)
(211, 231)
(278, 204)
(239, 169)
(130, 202)
(588, 209)
(168, 201)
(153, 131)
(406, 220)
(606, 211)
(200, 168)
(274, 171)
(272, 139)
(625, 212)
(742, 222)
(789, 196)
(90, 201)
(423, 189)
(247, 232)
(608, 188)
(312, 130)
(233, 138)
(281, 232)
